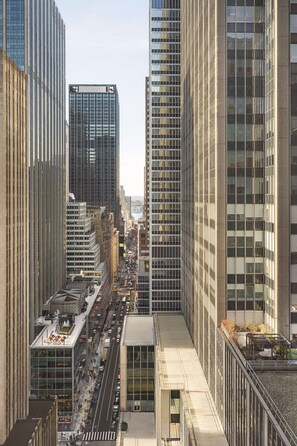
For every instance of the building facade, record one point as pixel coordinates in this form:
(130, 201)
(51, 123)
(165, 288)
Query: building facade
(137, 364)
(238, 190)
(164, 156)
(94, 145)
(45, 66)
(237, 205)
(143, 270)
(13, 245)
(83, 252)
(110, 245)
(58, 364)
(33, 35)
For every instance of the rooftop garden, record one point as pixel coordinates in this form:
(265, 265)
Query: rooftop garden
(66, 330)
(256, 342)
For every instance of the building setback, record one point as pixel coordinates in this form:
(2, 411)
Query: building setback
(94, 145)
(164, 157)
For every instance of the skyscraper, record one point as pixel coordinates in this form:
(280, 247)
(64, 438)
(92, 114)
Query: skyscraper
(239, 193)
(164, 157)
(94, 145)
(33, 35)
(32, 173)
(14, 246)
(45, 66)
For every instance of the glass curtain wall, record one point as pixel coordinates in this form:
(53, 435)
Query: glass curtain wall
(140, 378)
(164, 159)
(245, 155)
(94, 145)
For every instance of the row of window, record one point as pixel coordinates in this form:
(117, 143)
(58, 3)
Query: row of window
(245, 305)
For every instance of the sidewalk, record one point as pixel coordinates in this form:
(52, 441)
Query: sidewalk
(83, 404)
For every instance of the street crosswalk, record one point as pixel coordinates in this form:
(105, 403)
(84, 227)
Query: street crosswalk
(97, 436)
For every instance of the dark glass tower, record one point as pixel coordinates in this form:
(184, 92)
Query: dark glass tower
(94, 145)
(164, 156)
(33, 35)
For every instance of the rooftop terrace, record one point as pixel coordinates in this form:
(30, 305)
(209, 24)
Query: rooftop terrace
(50, 337)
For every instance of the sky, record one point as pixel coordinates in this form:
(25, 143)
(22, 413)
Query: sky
(107, 41)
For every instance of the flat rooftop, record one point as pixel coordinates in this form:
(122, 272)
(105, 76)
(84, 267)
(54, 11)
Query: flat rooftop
(22, 433)
(138, 330)
(141, 429)
(282, 388)
(178, 367)
(41, 341)
(40, 408)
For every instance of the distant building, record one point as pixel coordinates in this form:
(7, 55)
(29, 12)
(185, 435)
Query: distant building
(110, 244)
(125, 205)
(94, 146)
(143, 270)
(82, 253)
(137, 207)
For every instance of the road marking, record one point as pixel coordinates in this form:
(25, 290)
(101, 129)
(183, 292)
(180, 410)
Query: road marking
(99, 436)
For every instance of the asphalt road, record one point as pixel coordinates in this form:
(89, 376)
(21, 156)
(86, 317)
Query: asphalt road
(104, 410)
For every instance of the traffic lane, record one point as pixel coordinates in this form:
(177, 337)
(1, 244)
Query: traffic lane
(103, 414)
(113, 381)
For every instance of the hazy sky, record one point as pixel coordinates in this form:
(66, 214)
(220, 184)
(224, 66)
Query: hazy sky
(107, 42)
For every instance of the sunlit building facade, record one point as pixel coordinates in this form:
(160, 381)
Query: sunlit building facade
(164, 156)
(82, 253)
(13, 246)
(238, 173)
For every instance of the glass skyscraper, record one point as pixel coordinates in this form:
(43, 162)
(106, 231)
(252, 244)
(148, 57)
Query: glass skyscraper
(164, 156)
(33, 35)
(32, 38)
(94, 146)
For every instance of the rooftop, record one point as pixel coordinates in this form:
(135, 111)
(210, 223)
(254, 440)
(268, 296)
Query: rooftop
(67, 295)
(138, 330)
(284, 395)
(22, 433)
(141, 429)
(40, 408)
(23, 430)
(179, 368)
(49, 338)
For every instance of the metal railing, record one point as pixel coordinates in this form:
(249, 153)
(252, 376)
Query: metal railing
(265, 398)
